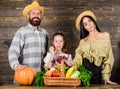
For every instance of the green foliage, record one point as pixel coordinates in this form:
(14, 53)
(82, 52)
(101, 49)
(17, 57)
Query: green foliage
(39, 78)
(59, 67)
(85, 75)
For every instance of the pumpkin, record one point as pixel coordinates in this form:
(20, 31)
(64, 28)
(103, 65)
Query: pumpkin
(25, 76)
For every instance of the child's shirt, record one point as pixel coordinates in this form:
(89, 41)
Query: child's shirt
(57, 58)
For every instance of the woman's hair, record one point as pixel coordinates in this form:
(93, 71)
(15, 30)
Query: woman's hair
(64, 49)
(83, 32)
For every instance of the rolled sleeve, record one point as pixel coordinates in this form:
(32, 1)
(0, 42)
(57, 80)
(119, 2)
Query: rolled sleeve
(108, 65)
(14, 50)
(47, 59)
(78, 58)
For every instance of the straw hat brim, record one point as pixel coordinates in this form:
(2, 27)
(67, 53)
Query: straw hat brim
(34, 6)
(85, 13)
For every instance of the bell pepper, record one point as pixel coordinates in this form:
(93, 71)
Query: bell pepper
(55, 73)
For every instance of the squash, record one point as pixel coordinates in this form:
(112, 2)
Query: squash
(25, 76)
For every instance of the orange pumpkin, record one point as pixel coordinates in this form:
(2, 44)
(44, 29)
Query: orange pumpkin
(25, 76)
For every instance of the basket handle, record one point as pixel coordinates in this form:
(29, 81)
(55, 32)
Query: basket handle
(62, 72)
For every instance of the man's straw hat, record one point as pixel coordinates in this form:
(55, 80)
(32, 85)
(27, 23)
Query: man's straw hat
(88, 13)
(33, 6)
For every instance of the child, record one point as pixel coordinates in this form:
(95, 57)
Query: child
(58, 52)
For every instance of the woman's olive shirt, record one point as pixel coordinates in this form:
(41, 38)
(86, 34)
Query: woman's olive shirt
(99, 52)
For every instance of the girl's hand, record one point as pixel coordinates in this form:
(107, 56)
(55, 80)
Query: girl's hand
(19, 67)
(109, 82)
(57, 63)
(52, 49)
(68, 63)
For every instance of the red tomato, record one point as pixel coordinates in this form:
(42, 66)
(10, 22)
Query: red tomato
(55, 73)
(49, 73)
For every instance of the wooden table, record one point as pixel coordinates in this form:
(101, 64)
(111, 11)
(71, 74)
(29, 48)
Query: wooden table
(6, 86)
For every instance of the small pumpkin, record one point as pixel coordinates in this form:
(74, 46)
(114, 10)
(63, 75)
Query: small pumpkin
(25, 76)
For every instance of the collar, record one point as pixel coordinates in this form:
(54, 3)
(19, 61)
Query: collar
(30, 26)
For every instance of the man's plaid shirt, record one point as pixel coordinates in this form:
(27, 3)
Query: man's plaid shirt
(33, 45)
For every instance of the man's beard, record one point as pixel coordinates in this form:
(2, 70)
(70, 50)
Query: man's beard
(36, 22)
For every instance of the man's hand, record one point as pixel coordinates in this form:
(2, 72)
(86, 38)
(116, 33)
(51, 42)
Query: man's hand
(19, 67)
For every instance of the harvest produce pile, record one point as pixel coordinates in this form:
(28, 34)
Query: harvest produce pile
(77, 71)
(28, 75)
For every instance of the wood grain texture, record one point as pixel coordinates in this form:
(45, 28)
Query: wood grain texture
(59, 15)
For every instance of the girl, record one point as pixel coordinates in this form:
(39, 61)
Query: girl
(94, 50)
(58, 52)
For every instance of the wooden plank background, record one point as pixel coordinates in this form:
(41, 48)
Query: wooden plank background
(59, 15)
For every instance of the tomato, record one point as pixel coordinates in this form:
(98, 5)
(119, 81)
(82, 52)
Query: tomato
(55, 73)
(49, 73)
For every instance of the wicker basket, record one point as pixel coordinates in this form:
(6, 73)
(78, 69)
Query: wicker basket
(61, 81)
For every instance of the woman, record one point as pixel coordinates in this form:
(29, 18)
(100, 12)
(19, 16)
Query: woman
(94, 50)
(57, 52)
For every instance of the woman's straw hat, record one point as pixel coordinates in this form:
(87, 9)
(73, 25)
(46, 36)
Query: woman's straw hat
(32, 6)
(88, 13)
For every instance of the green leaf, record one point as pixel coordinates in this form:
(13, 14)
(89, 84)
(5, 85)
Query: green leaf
(85, 75)
(39, 78)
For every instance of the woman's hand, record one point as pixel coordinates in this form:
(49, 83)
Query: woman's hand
(109, 82)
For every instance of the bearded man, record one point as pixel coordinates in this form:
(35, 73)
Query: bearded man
(29, 41)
